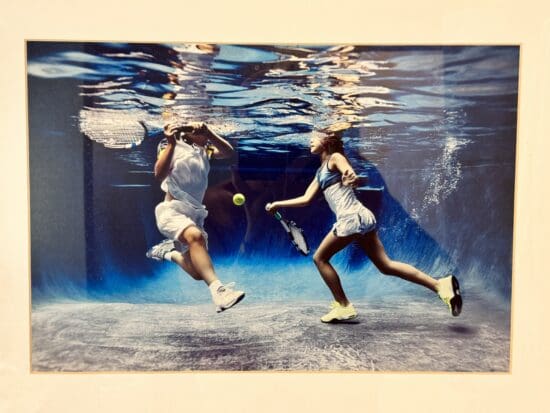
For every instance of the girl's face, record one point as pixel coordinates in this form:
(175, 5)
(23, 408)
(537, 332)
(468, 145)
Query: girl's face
(316, 143)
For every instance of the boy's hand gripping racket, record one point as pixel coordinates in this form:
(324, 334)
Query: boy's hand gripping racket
(294, 232)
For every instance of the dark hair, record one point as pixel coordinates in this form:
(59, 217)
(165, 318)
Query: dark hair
(333, 141)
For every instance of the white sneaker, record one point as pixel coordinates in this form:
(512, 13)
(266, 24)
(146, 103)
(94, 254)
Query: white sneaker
(225, 297)
(448, 290)
(158, 251)
(339, 313)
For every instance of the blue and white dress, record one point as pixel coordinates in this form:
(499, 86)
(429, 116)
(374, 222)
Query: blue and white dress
(352, 217)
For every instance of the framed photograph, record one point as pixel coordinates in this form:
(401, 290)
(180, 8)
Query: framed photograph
(428, 101)
(160, 175)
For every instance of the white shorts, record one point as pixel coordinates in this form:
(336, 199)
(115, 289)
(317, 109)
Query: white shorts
(359, 222)
(174, 217)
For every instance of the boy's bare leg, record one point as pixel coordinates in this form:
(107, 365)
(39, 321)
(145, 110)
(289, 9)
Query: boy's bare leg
(199, 260)
(184, 261)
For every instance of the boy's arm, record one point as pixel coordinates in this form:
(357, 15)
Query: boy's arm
(162, 165)
(296, 202)
(221, 149)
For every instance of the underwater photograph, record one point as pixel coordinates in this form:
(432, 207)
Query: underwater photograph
(220, 207)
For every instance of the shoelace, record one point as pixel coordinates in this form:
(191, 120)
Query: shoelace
(166, 246)
(228, 286)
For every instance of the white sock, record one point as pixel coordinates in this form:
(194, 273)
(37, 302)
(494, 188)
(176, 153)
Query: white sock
(214, 286)
(168, 255)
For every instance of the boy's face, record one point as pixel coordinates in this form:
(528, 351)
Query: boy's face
(198, 138)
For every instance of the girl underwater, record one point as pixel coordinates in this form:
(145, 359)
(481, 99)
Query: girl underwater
(354, 223)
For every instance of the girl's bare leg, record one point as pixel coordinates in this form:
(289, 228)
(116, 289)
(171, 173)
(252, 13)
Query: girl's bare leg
(374, 249)
(330, 245)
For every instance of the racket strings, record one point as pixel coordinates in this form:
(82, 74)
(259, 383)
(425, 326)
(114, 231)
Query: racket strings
(298, 238)
(113, 128)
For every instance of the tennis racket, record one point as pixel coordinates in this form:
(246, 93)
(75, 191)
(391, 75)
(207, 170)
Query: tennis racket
(123, 129)
(295, 234)
(120, 129)
(115, 129)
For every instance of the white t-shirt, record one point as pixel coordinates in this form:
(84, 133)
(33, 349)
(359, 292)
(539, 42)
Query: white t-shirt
(188, 174)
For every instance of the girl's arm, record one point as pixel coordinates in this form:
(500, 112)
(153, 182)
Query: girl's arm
(296, 202)
(162, 165)
(340, 162)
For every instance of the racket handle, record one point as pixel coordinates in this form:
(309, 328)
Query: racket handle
(275, 214)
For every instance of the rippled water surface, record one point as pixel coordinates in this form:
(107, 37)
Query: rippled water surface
(270, 97)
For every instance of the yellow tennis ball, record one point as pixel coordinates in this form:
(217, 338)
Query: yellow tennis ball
(238, 199)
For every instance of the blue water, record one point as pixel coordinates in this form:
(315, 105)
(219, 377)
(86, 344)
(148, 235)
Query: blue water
(433, 130)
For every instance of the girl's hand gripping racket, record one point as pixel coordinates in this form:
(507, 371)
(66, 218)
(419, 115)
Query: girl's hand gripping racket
(294, 232)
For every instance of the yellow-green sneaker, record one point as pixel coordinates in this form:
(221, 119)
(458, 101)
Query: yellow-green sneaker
(339, 313)
(449, 292)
